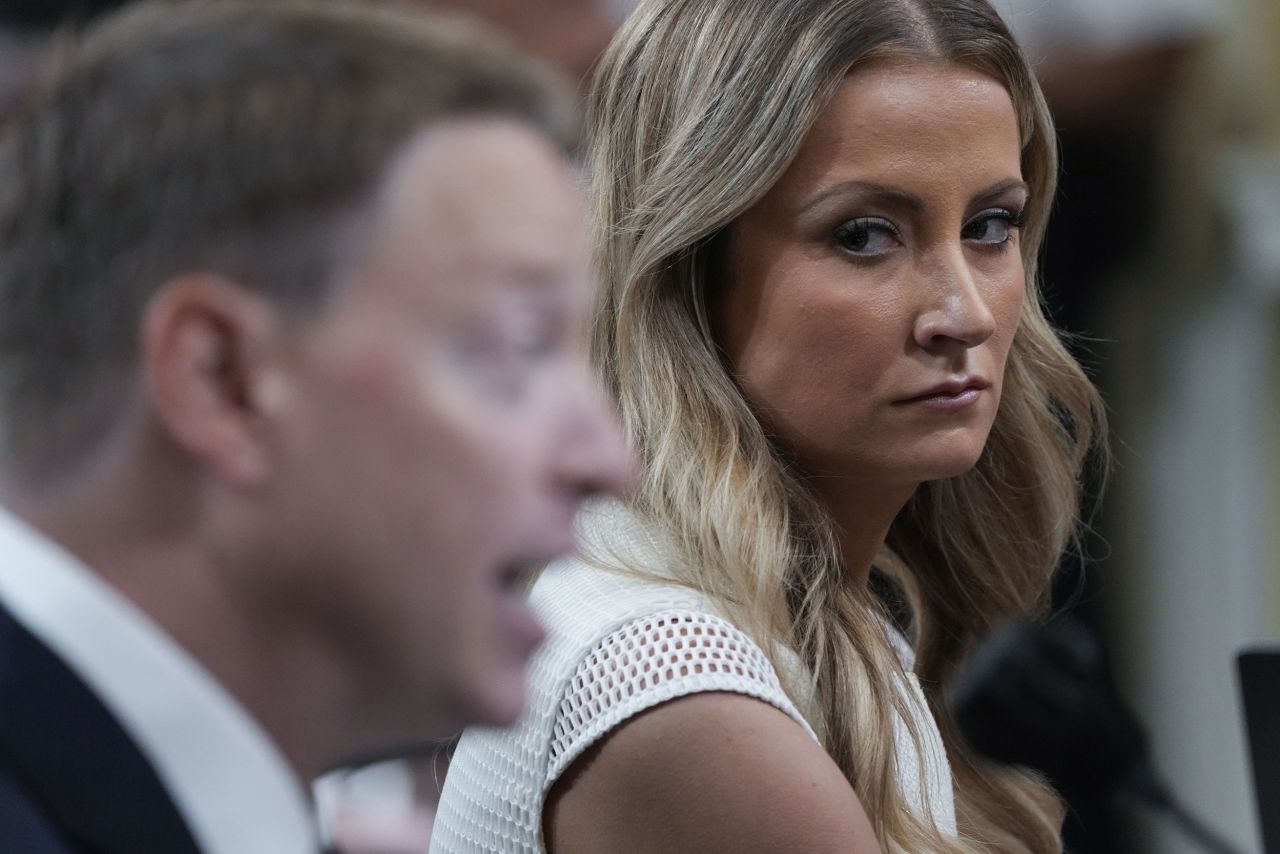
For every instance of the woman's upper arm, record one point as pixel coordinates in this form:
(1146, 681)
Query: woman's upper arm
(708, 772)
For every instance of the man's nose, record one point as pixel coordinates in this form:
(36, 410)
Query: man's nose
(595, 459)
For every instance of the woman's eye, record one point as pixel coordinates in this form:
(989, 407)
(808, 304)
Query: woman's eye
(995, 227)
(867, 236)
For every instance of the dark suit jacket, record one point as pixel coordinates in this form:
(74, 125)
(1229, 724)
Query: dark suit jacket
(71, 779)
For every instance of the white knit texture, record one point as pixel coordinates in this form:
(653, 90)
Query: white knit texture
(649, 661)
(615, 647)
(924, 776)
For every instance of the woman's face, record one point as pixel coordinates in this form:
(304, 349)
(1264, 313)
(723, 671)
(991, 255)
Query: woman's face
(871, 296)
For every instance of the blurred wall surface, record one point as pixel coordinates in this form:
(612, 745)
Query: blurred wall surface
(1193, 381)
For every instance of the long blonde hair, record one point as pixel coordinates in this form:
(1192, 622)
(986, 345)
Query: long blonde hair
(698, 108)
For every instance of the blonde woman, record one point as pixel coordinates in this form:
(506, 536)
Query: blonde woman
(817, 230)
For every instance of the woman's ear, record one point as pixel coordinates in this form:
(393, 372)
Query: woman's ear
(207, 351)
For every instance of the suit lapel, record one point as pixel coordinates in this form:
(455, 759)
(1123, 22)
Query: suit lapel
(74, 758)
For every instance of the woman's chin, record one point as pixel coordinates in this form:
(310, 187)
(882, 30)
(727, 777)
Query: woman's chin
(956, 462)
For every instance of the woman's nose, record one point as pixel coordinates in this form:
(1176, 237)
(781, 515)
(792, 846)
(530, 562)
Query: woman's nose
(955, 313)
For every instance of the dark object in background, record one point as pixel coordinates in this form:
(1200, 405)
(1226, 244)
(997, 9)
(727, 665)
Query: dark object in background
(1260, 690)
(1041, 696)
(45, 15)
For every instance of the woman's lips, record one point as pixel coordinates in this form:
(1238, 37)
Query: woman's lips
(950, 396)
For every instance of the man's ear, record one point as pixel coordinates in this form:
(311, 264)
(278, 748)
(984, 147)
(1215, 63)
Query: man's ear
(207, 353)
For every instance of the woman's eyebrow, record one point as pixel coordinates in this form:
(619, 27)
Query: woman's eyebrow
(1001, 188)
(900, 198)
(879, 192)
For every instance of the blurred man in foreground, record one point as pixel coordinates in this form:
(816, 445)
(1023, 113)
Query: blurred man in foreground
(290, 400)
(388, 807)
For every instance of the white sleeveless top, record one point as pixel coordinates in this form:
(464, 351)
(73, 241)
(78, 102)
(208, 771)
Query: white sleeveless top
(615, 647)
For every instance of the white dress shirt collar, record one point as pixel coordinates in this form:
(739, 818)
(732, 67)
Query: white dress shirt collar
(227, 779)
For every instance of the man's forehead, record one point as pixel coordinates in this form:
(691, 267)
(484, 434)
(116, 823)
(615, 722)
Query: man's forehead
(472, 171)
(482, 201)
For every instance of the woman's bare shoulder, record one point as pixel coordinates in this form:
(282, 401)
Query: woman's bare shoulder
(708, 772)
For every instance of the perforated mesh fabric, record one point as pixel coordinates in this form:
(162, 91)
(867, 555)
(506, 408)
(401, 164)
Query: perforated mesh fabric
(616, 646)
(652, 660)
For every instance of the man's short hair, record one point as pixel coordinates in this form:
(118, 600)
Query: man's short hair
(241, 137)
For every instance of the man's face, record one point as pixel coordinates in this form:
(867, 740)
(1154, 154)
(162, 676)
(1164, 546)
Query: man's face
(440, 429)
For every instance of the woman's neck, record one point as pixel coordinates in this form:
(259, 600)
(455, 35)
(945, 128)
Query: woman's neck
(862, 514)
